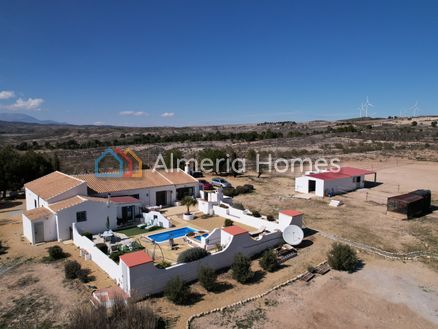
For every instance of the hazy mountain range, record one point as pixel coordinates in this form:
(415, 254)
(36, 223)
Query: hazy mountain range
(25, 118)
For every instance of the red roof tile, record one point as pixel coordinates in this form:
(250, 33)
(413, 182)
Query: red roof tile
(344, 172)
(124, 199)
(234, 230)
(136, 258)
(291, 212)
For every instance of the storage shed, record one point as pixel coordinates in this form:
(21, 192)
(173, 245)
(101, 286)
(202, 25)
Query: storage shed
(413, 204)
(332, 182)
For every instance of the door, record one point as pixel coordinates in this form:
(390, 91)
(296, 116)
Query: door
(39, 232)
(312, 186)
(161, 198)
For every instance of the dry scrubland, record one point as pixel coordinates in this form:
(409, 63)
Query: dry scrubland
(384, 294)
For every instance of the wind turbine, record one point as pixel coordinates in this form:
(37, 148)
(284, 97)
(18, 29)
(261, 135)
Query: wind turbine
(415, 109)
(360, 110)
(366, 105)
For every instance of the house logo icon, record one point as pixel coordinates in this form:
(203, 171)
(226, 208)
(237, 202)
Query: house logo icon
(123, 163)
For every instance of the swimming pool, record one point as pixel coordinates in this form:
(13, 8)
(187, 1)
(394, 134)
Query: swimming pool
(178, 233)
(199, 237)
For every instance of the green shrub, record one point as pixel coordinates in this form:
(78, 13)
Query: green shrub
(177, 291)
(342, 257)
(414, 123)
(135, 245)
(255, 213)
(229, 191)
(238, 205)
(268, 261)
(88, 235)
(241, 268)
(56, 252)
(115, 256)
(192, 254)
(311, 269)
(102, 247)
(163, 264)
(270, 218)
(71, 269)
(434, 123)
(228, 222)
(207, 278)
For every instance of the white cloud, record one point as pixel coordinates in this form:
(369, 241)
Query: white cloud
(133, 113)
(167, 114)
(25, 104)
(99, 123)
(6, 94)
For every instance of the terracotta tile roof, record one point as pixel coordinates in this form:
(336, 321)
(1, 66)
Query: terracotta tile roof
(67, 203)
(124, 199)
(53, 184)
(291, 212)
(178, 177)
(150, 178)
(234, 230)
(136, 258)
(38, 213)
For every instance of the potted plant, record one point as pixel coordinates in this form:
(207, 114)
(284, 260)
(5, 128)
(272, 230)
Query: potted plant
(188, 201)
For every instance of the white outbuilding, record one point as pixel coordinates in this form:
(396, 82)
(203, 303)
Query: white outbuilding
(329, 183)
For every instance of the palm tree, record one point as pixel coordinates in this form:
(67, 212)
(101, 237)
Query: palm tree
(188, 201)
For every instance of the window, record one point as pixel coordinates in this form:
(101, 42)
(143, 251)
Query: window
(81, 216)
(35, 203)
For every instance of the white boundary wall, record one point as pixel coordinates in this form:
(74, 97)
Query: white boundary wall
(97, 256)
(147, 279)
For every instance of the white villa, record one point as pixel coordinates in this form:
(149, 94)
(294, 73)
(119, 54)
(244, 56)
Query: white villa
(55, 201)
(325, 183)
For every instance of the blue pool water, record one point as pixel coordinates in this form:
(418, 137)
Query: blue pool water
(199, 237)
(160, 237)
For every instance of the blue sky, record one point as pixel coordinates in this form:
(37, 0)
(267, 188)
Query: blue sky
(147, 63)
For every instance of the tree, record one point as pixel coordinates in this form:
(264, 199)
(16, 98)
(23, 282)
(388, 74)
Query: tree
(177, 291)
(241, 268)
(207, 278)
(217, 156)
(188, 201)
(342, 257)
(171, 157)
(269, 261)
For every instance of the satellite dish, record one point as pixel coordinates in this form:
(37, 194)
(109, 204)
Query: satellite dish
(293, 235)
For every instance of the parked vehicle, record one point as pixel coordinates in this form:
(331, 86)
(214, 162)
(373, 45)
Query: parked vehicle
(220, 182)
(197, 174)
(205, 185)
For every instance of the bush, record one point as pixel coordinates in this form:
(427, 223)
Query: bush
(434, 123)
(115, 256)
(177, 291)
(228, 222)
(270, 218)
(82, 274)
(192, 254)
(311, 269)
(56, 252)
(163, 264)
(102, 247)
(414, 123)
(120, 315)
(249, 187)
(71, 269)
(238, 205)
(342, 257)
(241, 268)
(268, 261)
(88, 235)
(229, 191)
(255, 213)
(207, 278)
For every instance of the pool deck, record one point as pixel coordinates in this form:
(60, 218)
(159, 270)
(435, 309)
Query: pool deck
(175, 215)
